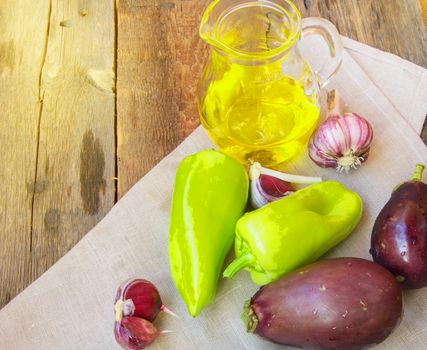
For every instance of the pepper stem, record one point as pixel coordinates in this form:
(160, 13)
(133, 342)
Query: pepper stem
(237, 264)
(418, 173)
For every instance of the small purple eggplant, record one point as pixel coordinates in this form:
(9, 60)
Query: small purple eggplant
(344, 303)
(399, 235)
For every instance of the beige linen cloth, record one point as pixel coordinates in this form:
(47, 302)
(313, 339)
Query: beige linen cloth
(71, 305)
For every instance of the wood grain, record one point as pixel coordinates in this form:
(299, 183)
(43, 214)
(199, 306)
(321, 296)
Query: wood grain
(76, 156)
(21, 56)
(160, 58)
(390, 25)
(57, 62)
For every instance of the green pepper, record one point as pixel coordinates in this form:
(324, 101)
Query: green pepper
(294, 231)
(210, 195)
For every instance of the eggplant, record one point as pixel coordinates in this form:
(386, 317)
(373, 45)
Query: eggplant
(343, 303)
(399, 235)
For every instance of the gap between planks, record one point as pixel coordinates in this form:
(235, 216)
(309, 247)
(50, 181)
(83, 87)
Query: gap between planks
(116, 163)
(40, 97)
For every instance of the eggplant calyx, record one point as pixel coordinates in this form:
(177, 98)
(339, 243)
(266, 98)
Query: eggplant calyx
(249, 318)
(400, 278)
(418, 173)
(416, 176)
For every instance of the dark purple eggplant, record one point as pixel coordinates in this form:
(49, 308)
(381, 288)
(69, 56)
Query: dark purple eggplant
(344, 303)
(399, 235)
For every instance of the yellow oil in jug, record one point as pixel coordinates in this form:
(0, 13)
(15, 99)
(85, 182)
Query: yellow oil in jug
(252, 115)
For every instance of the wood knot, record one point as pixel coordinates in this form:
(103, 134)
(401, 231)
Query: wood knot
(67, 23)
(8, 56)
(102, 80)
(52, 220)
(307, 4)
(38, 186)
(167, 5)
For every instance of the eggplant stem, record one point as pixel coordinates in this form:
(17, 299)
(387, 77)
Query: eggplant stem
(418, 173)
(249, 317)
(169, 311)
(237, 264)
(256, 170)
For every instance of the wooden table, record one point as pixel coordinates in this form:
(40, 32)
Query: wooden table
(94, 94)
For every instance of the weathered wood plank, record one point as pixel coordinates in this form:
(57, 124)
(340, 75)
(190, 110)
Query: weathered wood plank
(390, 25)
(159, 60)
(76, 158)
(21, 55)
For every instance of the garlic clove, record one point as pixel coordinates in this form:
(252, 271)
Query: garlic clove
(274, 187)
(134, 333)
(269, 185)
(256, 170)
(267, 189)
(140, 298)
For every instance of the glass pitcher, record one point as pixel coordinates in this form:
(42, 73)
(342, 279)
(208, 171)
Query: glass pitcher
(258, 98)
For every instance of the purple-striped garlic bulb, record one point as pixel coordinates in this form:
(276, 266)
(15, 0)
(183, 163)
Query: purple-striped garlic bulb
(341, 141)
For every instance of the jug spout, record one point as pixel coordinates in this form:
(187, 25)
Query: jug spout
(251, 28)
(209, 22)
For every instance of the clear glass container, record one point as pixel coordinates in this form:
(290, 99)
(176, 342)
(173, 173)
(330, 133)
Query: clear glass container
(258, 98)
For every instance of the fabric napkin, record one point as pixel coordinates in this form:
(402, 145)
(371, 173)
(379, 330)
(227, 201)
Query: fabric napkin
(71, 305)
(402, 82)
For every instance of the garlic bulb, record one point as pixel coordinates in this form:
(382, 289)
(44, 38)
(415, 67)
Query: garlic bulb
(341, 141)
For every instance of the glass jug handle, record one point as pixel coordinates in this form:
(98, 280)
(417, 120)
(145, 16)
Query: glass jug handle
(329, 33)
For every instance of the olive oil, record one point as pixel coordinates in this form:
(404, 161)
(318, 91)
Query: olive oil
(257, 96)
(252, 114)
